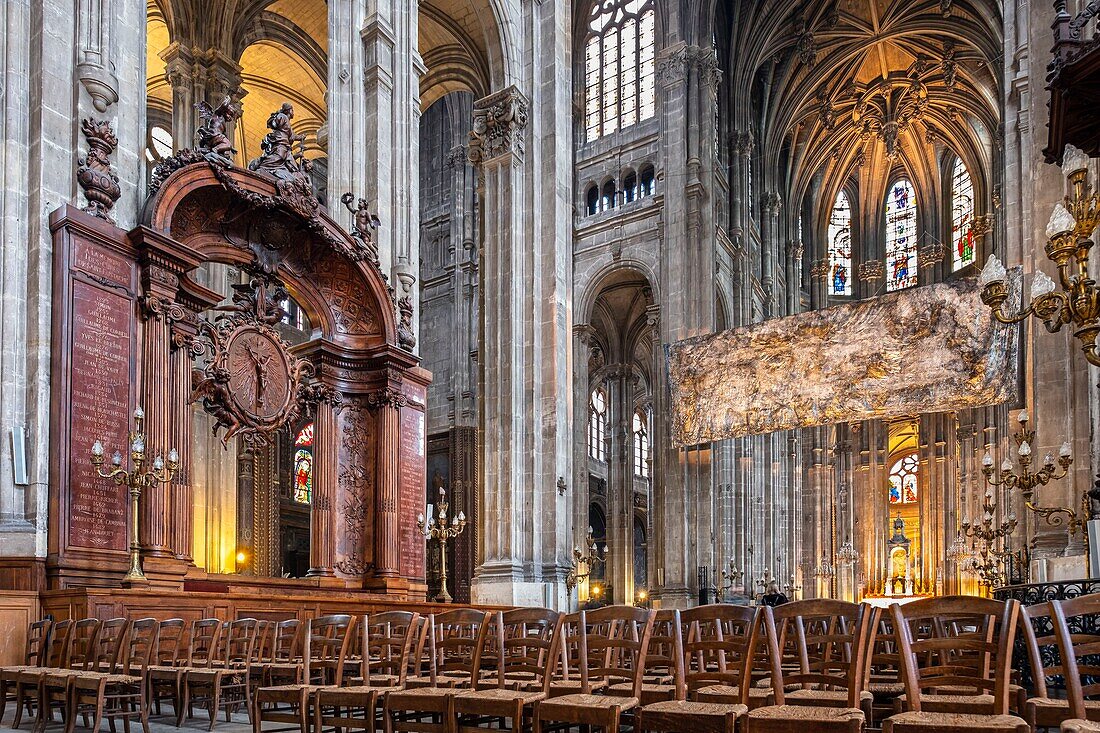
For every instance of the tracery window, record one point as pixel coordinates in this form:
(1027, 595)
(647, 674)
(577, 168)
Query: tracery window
(641, 444)
(962, 216)
(303, 465)
(618, 66)
(840, 246)
(903, 480)
(597, 425)
(901, 236)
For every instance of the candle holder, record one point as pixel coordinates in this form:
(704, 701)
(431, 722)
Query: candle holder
(137, 479)
(731, 578)
(584, 562)
(438, 529)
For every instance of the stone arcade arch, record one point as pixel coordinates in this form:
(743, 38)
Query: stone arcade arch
(367, 396)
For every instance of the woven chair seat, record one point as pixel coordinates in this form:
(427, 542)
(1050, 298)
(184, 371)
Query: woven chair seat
(793, 717)
(94, 679)
(329, 690)
(650, 692)
(1077, 725)
(570, 708)
(925, 722)
(727, 695)
(825, 698)
(560, 688)
(700, 717)
(939, 703)
(496, 700)
(1046, 712)
(423, 699)
(886, 689)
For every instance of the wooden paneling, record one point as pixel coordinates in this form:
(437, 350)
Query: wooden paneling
(17, 610)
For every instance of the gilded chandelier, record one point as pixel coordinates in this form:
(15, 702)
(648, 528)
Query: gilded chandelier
(1069, 235)
(1027, 481)
(137, 479)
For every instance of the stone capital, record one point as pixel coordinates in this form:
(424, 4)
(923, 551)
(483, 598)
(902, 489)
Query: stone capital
(500, 120)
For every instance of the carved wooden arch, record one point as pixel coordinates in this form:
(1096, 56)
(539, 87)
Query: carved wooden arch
(195, 208)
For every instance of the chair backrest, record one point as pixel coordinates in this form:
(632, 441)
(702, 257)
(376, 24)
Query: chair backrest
(885, 662)
(457, 642)
(956, 641)
(261, 648)
(135, 653)
(287, 641)
(1037, 623)
(1079, 643)
(57, 647)
(830, 641)
(526, 643)
(720, 644)
(422, 661)
(169, 642)
(111, 635)
(615, 644)
(203, 646)
(665, 656)
(239, 641)
(82, 644)
(38, 634)
(388, 639)
(326, 647)
(568, 663)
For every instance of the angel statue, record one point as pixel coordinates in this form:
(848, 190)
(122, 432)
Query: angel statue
(279, 158)
(364, 224)
(213, 135)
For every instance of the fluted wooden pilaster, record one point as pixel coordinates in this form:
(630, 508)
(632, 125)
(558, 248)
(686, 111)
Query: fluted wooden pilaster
(322, 546)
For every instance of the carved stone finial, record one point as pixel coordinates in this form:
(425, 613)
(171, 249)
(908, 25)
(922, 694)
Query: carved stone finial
(406, 336)
(95, 174)
(499, 120)
(365, 223)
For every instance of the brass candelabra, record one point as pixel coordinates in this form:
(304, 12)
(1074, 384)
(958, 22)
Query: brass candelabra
(136, 479)
(731, 578)
(584, 562)
(438, 529)
(985, 559)
(1027, 480)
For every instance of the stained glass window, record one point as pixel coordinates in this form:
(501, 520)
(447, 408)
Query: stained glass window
(618, 63)
(903, 480)
(901, 236)
(303, 465)
(597, 425)
(962, 216)
(641, 444)
(840, 246)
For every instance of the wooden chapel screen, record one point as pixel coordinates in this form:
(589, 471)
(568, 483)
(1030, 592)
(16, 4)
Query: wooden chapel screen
(365, 393)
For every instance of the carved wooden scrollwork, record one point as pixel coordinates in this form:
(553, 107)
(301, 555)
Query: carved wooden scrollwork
(250, 382)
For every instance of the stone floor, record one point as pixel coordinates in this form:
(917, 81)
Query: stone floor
(164, 724)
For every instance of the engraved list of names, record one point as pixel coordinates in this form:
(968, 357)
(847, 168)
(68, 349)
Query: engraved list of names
(101, 355)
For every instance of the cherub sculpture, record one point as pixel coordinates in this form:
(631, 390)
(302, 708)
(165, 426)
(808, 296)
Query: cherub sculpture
(364, 224)
(213, 135)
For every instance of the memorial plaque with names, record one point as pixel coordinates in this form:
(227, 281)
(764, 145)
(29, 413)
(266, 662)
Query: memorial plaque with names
(101, 354)
(411, 490)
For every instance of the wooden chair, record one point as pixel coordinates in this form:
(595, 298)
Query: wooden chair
(224, 684)
(663, 677)
(34, 655)
(421, 669)
(28, 683)
(1078, 638)
(614, 645)
(976, 655)
(1042, 710)
(325, 648)
(566, 678)
(284, 663)
(832, 641)
(719, 650)
(884, 670)
(96, 654)
(387, 642)
(526, 642)
(262, 652)
(165, 678)
(121, 692)
(456, 644)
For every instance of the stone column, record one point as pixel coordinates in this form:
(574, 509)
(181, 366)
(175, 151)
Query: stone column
(197, 76)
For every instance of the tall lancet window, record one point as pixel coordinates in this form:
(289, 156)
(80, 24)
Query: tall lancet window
(618, 66)
(901, 236)
(597, 425)
(962, 216)
(840, 246)
(303, 465)
(903, 480)
(641, 444)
